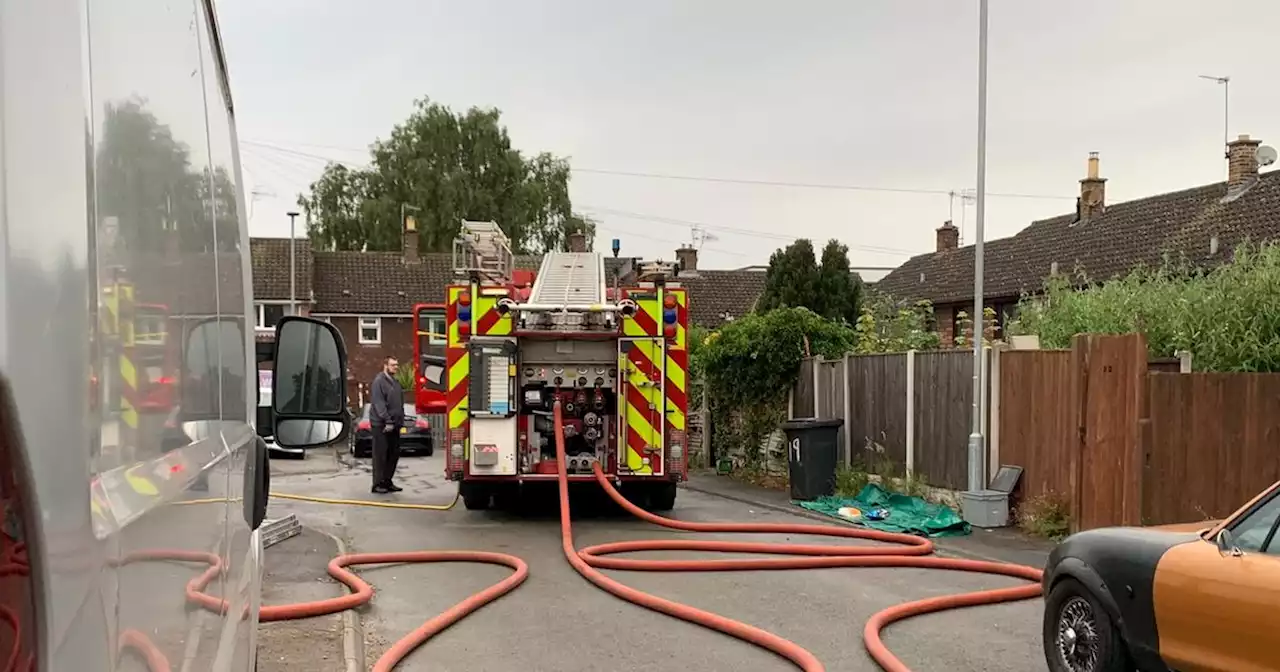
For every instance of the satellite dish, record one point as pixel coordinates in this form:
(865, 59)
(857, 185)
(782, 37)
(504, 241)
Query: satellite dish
(1266, 155)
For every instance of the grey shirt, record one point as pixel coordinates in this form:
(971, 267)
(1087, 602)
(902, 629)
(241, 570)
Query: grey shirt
(387, 401)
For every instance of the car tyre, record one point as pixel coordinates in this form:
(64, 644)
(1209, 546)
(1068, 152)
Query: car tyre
(1079, 635)
(476, 497)
(431, 450)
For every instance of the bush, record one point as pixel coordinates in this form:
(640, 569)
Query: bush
(886, 325)
(756, 358)
(1044, 516)
(1228, 318)
(749, 367)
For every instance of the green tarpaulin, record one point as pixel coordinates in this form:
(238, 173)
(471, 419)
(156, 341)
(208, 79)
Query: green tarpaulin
(903, 513)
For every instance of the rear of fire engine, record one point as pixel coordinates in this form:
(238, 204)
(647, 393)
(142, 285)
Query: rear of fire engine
(614, 357)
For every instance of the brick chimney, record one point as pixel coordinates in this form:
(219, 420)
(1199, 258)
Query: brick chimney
(409, 240)
(948, 236)
(687, 256)
(577, 241)
(1093, 192)
(1242, 161)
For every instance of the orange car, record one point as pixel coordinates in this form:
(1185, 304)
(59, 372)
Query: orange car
(1202, 597)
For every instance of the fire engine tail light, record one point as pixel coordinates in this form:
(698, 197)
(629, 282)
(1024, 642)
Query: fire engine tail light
(457, 451)
(675, 446)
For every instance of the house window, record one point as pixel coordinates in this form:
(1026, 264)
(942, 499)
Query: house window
(370, 330)
(270, 314)
(149, 330)
(435, 325)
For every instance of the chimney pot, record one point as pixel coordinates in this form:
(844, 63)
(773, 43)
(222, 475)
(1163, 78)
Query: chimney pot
(687, 257)
(577, 241)
(948, 236)
(1242, 161)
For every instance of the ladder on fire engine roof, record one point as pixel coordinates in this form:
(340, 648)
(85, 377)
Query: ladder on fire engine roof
(482, 248)
(570, 278)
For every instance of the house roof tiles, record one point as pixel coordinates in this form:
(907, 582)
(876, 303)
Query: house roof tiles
(1138, 232)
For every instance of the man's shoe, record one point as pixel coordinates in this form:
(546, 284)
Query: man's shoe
(380, 490)
(394, 488)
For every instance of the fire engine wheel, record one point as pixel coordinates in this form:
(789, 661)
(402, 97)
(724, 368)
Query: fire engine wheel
(476, 497)
(662, 497)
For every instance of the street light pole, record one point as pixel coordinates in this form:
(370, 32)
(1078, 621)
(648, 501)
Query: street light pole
(293, 276)
(976, 459)
(1226, 110)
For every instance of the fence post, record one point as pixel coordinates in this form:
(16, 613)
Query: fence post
(817, 394)
(705, 413)
(993, 447)
(985, 389)
(911, 413)
(848, 411)
(1184, 361)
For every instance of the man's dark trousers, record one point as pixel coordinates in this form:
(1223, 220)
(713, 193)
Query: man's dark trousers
(386, 454)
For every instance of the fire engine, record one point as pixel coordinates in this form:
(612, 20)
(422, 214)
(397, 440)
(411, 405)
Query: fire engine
(615, 358)
(429, 359)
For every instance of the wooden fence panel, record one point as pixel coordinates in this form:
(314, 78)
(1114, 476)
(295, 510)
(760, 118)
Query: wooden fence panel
(1112, 382)
(803, 399)
(878, 406)
(1037, 427)
(1210, 443)
(943, 393)
(831, 391)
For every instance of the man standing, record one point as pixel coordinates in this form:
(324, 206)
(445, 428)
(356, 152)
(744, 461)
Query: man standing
(387, 416)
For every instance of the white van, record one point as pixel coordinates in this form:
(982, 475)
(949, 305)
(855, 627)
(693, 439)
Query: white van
(120, 187)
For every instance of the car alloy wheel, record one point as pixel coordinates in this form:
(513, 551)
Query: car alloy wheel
(1078, 635)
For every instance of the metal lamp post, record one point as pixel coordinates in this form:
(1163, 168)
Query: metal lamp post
(976, 458)
(293, 299)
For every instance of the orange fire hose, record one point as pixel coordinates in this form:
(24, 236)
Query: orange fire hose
(911, 552)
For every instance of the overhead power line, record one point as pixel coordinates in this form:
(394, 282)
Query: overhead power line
(658, 219)
(697, 178)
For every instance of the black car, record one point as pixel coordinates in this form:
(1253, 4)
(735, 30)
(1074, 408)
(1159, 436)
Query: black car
(415, 435)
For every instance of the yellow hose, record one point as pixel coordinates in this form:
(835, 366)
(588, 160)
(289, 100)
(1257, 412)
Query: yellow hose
(340, 502)
(363, 502)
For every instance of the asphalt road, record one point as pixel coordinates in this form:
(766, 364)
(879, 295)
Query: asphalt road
(558, 621)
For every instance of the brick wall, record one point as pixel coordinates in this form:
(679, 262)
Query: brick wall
(364, 361)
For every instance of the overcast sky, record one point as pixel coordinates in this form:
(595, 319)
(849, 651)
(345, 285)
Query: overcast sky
(838, 92)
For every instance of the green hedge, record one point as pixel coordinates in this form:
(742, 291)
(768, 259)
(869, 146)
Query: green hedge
(1228, 318)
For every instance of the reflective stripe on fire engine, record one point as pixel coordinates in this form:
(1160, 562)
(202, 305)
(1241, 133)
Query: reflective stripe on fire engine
(641, 404)
(647, 319)
(128, 372)
(458, 361)
(678, 364)
(488, 321)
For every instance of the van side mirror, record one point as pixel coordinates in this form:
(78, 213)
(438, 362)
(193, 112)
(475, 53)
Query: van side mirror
(309, 385)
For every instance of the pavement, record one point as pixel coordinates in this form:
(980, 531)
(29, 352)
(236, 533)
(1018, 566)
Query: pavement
(557, 620)
(295, 571)
(997, 545)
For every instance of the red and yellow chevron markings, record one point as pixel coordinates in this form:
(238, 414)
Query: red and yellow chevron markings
(488, 321)
(675, 318)
(641, 404)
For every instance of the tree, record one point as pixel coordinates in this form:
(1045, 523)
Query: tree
(451, 167)
(144, 179)
(792, 278)
(795, 280)
(839, 293)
